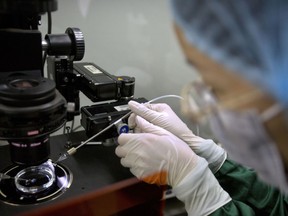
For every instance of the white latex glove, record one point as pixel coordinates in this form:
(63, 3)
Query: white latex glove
(157, 156)
(163, 116)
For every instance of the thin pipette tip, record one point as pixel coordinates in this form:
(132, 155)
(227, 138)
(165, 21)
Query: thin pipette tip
(66, 154)
(4, 176)
(62, 157)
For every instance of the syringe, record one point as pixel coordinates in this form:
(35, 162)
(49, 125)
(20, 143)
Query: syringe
(73, 150)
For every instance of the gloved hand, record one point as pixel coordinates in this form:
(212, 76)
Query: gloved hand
(163, 116)
(157, 156)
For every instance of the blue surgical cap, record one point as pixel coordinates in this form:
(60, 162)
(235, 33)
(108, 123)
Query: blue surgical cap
(248, 36)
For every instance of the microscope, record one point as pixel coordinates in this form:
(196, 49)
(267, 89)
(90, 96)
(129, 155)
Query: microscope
(32, 106)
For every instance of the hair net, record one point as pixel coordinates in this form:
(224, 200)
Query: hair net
(248, 36)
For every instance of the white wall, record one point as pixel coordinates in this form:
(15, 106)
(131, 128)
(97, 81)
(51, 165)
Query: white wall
(129, 37)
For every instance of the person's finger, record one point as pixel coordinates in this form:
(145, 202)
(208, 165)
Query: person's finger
(131, 121)
(147, 127)
(120, 151)
(126, 142)
(143, 111)
(126, 137)
(129, 161)
(158, 107)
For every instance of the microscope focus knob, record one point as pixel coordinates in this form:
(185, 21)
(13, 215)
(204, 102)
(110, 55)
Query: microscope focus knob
(71, 44)
(78, 44)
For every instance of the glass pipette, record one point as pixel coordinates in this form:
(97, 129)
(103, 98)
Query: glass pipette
(5, 176)
(73, 150)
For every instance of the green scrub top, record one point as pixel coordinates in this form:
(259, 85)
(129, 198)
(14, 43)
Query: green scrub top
(250, 196)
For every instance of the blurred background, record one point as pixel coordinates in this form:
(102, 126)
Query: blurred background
(129, 37)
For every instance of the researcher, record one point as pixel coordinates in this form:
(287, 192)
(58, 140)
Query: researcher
(240, 49)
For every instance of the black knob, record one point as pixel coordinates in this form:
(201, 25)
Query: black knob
(71, 44)
(78, 44)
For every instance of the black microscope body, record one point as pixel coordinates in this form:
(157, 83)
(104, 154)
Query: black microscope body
(32, 106)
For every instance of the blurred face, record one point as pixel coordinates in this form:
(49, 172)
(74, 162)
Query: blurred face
(224, 84)
(227, 86)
